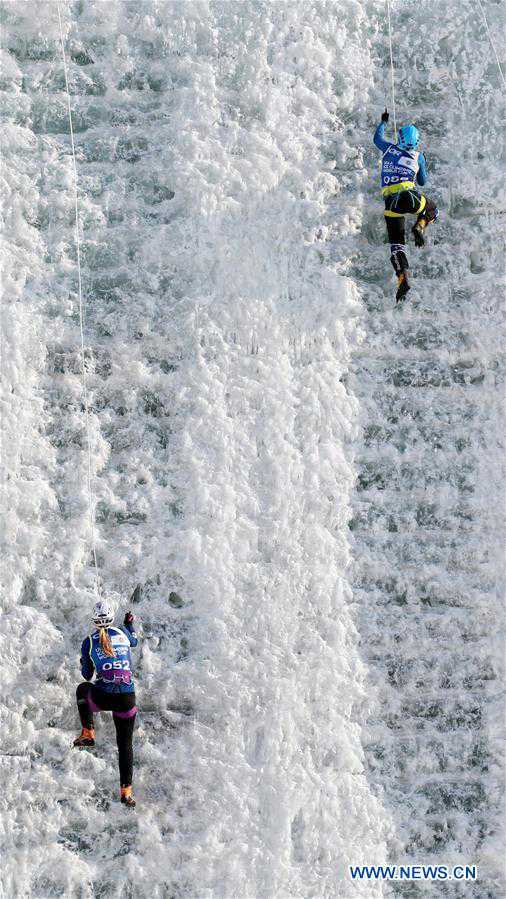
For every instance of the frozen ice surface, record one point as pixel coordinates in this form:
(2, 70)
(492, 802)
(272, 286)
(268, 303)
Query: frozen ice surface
(307, 481)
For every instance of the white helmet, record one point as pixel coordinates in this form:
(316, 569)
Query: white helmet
(103, 614)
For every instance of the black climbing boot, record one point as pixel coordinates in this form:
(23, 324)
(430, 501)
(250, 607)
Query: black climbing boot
(403, 285)
(417, 231)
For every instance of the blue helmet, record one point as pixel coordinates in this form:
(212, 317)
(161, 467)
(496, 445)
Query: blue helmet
(408, 137)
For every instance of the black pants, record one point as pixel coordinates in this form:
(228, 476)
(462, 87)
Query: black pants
(122, 705)
(397, 206)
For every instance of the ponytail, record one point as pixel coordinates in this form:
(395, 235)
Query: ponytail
(105, 642)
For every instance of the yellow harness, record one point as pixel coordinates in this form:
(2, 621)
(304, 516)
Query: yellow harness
(396, 188)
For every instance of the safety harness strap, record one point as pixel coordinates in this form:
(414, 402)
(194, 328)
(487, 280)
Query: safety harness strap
(394, 188)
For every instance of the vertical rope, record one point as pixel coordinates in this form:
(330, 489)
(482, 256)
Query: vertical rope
(491, 41)
(91, 505)
(392, 70)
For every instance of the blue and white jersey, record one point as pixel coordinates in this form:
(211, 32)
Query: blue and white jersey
(113, 674)
(400, 169)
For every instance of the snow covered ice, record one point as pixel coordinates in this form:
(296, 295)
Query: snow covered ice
(307, 481)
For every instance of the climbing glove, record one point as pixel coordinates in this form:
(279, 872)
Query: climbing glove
(385, 117)
(129, 620)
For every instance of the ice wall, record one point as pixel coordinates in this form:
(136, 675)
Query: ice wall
(429, 506)
(306, 480)
(218, 346)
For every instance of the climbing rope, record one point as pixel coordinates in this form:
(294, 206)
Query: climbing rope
(491, 41)
(392, 70)
(91, 505)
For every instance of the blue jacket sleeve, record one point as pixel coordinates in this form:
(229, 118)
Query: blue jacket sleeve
(132, 636)
(87, 667)
(379, 138)
(421, 175)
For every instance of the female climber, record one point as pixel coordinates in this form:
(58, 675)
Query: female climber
(106, 653)
(402, 166)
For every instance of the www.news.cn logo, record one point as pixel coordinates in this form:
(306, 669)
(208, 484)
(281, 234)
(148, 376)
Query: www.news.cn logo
(413, 872)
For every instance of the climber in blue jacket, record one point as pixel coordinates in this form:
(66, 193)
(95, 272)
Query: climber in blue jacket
(105, 653)
(402, 168)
